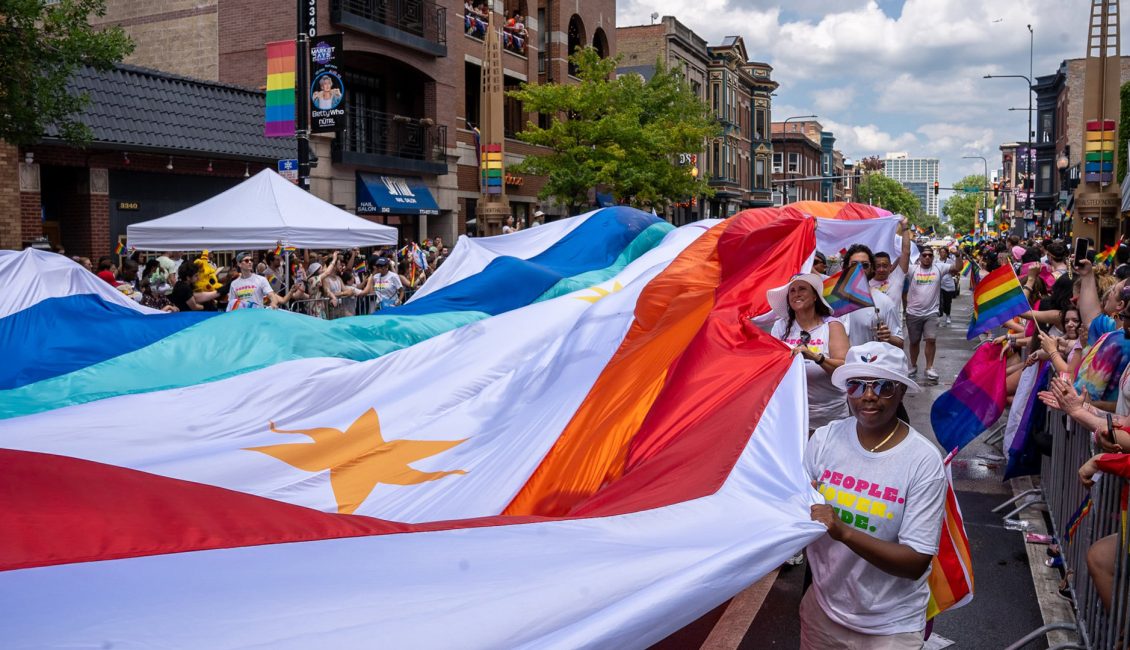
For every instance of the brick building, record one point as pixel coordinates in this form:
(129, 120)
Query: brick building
(412, 83)
(640, 46)
(798, 157)
(161, 143)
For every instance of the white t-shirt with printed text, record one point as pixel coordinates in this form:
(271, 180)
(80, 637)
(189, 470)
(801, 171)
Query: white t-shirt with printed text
(248, 293)
(892, 286)
(825, 401)
(896, 495)
(924, 294)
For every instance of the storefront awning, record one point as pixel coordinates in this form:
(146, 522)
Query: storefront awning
(382, 194)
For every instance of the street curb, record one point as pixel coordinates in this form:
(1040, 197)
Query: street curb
(1054, 608)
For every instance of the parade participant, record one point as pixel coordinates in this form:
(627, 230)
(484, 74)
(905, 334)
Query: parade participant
(922, 300)
(869, 587)
(805, 323)
(250, 290)
(882, 323)
(949, 289)
(820, 264)
(890, 278)
(509, 227)
(387, 285)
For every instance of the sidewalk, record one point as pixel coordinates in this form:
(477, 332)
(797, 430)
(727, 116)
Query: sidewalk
(1005, 605)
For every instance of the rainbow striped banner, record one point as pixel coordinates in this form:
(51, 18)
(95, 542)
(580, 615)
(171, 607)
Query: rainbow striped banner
(120, 247)
(847, 292)
(996, 299)
(280, 89)
(491, 169)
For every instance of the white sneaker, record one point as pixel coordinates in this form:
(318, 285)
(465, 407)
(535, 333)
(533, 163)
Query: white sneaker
(931, 375)
(913, 373)
(948, 321)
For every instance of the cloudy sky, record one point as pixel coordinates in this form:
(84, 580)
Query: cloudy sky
(896, 75)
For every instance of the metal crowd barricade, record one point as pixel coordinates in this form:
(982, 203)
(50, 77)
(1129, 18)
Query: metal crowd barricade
(1064, 495)
(316, 307)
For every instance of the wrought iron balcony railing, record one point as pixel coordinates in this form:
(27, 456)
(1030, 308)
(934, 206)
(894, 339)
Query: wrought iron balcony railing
(421, 18)
(375, 133)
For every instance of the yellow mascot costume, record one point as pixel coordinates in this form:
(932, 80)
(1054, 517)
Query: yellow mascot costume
(207, 280)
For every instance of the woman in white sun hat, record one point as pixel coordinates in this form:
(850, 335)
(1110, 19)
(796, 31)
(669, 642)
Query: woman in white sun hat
(885, 487)
(805, 324)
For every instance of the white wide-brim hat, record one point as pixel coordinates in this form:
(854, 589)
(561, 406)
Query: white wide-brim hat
(874, 360)
(779, 297)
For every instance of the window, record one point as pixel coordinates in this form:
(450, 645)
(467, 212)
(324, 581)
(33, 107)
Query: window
(827, 167)
(1046, 127)
(759, 172)
(794, 162)
(777, 162)
(759, 125)
(714, 161)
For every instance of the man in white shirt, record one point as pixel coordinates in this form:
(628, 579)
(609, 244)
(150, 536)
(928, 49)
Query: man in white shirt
(882, 323)
(923, 297)
(891, 278)
(250, 290)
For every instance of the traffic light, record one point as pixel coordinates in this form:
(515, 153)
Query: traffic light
(996, 189)
(936, 187)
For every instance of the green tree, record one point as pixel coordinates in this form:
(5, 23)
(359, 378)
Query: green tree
(622, 134)
(889, 194)
(41, 45)
(961, 208)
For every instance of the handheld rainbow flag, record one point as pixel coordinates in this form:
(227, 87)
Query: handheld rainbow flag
(996, 299)
(1077, 518)
(120, 247)
(280, 89)
(951, 570)
(278, 249)
(848, 291)
(360, 267)
(1107, 256)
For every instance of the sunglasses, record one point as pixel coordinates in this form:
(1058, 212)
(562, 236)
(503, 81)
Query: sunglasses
(881, 387)
(805, 337)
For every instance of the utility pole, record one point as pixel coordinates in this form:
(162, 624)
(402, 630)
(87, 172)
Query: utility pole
(307, 29)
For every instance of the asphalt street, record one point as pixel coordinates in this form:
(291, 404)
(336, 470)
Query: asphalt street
(1004, 607)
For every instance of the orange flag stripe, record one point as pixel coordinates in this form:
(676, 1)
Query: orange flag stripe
(593, 447)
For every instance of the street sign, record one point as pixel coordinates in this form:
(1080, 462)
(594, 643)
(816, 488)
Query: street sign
(288, 169)
(971, 190)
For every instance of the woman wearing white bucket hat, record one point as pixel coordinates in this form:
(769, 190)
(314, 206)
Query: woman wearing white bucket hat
(885, 487)
(805, 324)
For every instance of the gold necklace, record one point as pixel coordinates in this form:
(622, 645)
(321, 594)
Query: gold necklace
(889, 436)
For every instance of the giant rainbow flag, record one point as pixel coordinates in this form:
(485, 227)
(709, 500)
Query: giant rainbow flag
(585, 442)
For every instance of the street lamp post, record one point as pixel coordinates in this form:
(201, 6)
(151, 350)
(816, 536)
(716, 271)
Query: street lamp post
(1030, 182)
(984, 188)
(786, 123)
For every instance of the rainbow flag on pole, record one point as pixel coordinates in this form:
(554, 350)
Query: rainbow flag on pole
(847, 291)
(951, 570)
(996, 299)
(120, 248)
(280, 89)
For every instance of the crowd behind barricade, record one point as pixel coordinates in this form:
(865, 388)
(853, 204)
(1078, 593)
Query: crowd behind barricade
(514, 35)
(324, 284)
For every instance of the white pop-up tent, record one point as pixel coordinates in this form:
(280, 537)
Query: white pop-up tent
(261, 212)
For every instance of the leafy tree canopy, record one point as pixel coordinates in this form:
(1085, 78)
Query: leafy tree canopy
(961, 208)
(889, 194)
(41, 45)
(621, 134)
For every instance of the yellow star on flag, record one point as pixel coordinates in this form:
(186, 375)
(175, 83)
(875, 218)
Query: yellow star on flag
(600, 293)
(359, 458)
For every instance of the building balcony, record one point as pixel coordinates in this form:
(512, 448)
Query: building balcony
(416, 24)
(475, 26)
(396, 142)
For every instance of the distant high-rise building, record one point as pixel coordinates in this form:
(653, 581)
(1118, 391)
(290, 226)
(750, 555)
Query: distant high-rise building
(915, 174)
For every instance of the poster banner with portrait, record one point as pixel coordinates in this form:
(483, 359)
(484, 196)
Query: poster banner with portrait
(327, 88)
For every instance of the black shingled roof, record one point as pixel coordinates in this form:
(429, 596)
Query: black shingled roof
(143, 109)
